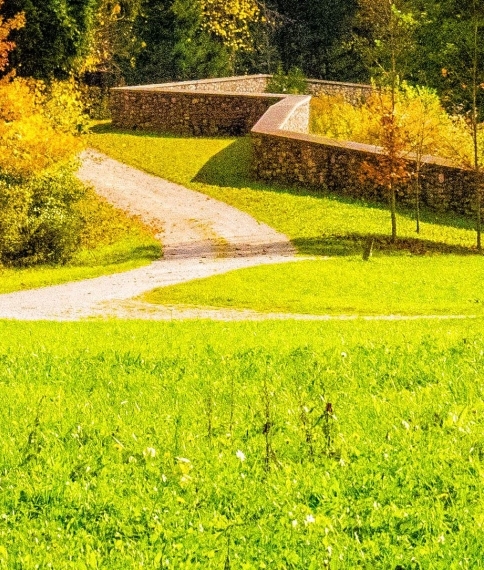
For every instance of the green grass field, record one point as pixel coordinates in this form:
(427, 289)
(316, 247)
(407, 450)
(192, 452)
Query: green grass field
(211, 445)
(434, 272)
(440, 285)
(280, 445)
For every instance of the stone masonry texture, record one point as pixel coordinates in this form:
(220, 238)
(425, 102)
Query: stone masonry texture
(283, 150)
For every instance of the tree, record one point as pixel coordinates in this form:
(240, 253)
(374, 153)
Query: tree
(229, 21)
(114, 43)
(55, 39)
(390, 167)
(7, 25)
(425, 125)
(387, 50)
(463, 72)
(314, 37)
(38, 222)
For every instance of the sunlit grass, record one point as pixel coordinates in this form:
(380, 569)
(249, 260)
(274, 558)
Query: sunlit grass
(318, 223)
(385, 285)
(204, 445)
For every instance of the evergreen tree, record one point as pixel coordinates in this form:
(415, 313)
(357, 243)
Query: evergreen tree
(315, 38)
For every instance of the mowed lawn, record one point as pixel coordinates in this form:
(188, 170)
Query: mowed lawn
(434, 272)
(441, 285)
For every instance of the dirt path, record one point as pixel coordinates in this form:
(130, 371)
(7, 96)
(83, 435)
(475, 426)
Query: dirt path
(201, 237)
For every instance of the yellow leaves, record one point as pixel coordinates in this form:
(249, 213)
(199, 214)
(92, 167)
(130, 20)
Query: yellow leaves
(30, 141)
(230, 20)
(116, 10)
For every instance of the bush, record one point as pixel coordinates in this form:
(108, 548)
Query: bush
(38, 190)
(38, 219)
(293, 82)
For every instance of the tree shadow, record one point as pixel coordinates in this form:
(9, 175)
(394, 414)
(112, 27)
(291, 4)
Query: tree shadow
(231, 167)
(353, 244)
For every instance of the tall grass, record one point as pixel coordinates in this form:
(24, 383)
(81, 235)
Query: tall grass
(204, 445)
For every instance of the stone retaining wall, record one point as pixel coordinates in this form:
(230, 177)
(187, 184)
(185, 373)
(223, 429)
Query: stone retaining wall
(283, 151)
(188, 113)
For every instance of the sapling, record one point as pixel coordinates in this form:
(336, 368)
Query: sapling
(268, 423)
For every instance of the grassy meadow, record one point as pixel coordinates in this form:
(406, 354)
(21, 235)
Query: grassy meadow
(440, 285)
(242, 445)
(281, 444)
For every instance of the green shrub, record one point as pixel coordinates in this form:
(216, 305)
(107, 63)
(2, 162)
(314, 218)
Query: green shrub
(294, 82)
(38, 219)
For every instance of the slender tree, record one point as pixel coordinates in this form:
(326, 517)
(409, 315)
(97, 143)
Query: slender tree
(7, 25)
(463, 80)
(387, 50)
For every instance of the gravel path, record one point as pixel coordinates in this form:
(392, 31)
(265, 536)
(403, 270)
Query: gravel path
(201, 237)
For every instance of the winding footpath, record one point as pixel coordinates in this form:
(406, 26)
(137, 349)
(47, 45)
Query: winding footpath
(200, 236)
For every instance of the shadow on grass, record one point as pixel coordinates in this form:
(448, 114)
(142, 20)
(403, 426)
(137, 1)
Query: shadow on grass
(231, 167)
(353, 244)
(107, 128)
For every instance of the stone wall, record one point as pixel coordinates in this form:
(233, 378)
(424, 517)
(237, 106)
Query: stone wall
(283, 151)
(186, 112)
(354, 92)
(242, 84)
(282, 155)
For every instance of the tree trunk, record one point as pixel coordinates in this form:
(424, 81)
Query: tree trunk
(393, 211)
(368, 248)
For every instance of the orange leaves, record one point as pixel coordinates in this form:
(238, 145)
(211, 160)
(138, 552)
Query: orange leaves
(6, 26)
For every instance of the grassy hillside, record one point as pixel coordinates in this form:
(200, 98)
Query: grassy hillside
(434, 272)
(318, 223)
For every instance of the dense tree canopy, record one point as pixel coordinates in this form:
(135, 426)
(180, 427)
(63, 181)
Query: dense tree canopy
(56, 36)
(159, 40)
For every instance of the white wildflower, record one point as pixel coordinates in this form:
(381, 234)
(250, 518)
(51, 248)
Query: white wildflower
(240, 455)
(149, 452)
(309, 519)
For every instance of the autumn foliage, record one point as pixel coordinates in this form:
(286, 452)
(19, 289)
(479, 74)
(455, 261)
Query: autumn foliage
(230, 20)
(7, 26)
(38, 146)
